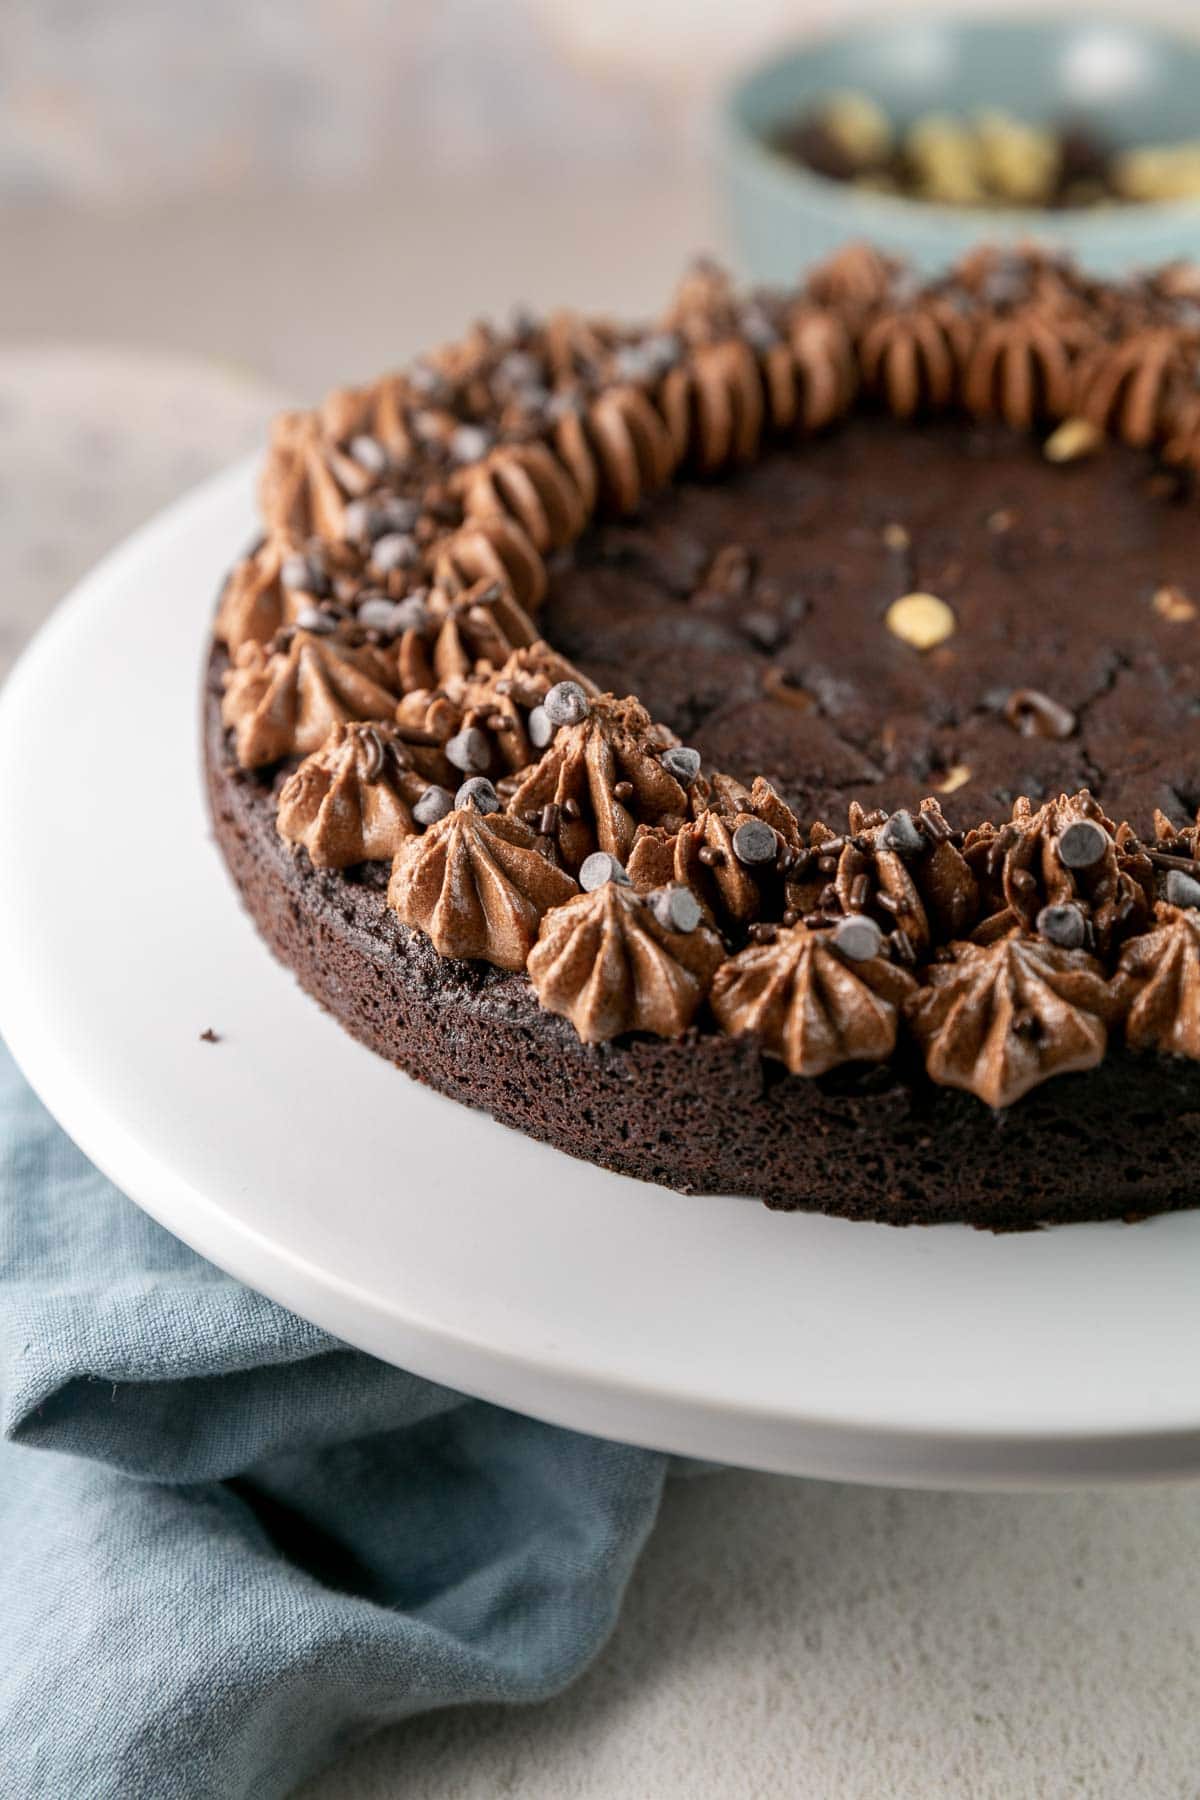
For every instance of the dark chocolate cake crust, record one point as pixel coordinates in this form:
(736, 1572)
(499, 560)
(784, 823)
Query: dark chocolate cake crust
(704, 1113)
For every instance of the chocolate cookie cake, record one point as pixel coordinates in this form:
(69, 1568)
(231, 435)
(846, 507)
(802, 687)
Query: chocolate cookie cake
(760, 752)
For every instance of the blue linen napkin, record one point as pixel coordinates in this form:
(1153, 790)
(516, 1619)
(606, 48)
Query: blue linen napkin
(254, 1545)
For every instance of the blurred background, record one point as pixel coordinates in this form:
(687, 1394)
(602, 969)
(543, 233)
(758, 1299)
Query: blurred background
(314, 188)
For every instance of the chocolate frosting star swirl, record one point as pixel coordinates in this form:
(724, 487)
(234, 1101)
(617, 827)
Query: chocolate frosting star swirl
(486, 623)
(1021, 369)
(477, 886)
(352, 800)
(307, 479)
(606, 963)
(286, 702)
(603, 776)
(1126, 389)
(808, 1005)
(912, 357)
(1000, 1019)
(529, 484)
(1158, 982)
(255, 603)
(1032, 863)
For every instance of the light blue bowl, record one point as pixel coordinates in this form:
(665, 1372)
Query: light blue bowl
(1134, 83)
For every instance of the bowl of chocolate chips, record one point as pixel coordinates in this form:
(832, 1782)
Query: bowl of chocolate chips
(926, 135)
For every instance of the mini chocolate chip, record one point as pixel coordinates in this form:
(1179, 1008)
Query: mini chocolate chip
(754, 842)
(763, 629)
(411, 613)
(428, 381)
(758, 330)
(479, 793)
(303, 574)
(676, 908)
(664, 349)
(565, 405)
(1083, 844)
(683, 763)
(519, 368)
(469, 442)
(1064, 926)
(565, 704)
(378, 613)
(631, 363)
(1182, 890)
(433, 805)
(369, 453)
(600, 867)
(309, 618)
(1034, 714)
(469, 750)
(858, 938)
(539, 727)
(623, 791)
(360, 520)
(397, 513)
(394, 550)
(901, 833)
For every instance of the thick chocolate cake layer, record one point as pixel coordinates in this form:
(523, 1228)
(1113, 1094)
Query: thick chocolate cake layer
(750, 615)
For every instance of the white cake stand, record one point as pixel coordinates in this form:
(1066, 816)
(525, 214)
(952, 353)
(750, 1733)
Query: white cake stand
(432, 1237)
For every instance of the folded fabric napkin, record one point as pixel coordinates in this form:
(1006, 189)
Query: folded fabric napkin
(253, 1545)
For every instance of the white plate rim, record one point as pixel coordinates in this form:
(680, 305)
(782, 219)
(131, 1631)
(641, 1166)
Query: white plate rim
(725, 1413)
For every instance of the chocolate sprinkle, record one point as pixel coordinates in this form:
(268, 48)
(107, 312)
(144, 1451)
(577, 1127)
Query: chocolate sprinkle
(375, 755)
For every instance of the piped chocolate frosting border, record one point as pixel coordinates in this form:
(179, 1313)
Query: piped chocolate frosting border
(384, 650)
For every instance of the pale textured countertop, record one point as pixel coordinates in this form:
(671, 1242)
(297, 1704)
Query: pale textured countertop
(781, 1638)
